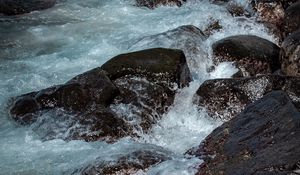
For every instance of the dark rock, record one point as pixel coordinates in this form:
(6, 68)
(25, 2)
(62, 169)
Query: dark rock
(253, 55)
(131, 163)
(16, 7)
(74, 110)
(147, 81)
(89, 89)
(187, 38)
(212, 27)
(147, 100)
(292, 18)
(271, 14)
(290, 54)
(263, 139)
(219, 2)
(236, 10)
(158, 65)
(155, 3)
(224, 98)
(94, 125)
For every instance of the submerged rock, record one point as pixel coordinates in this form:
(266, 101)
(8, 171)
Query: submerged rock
(263, 139)
(187, 38)
(252, 55)
(16, 7)
(224, 98)
(155, 3)
(137, 161)
(290, 54)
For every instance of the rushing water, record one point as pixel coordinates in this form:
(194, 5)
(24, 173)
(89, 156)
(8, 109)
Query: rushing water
(45, 48)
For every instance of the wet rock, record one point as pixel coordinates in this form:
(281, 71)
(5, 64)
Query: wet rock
(263, 139)
(271, 14)
(224, 98)
(100, 124)
(136, 161)
(213, 26)
(155, 3)
(252, 55)
(16, 7)
(76, 110)
(187, 38)
(158, 65)
(147, 101)
(235, 9)
(290, 54)
(85, 91)
(292, 18)
(147, 81)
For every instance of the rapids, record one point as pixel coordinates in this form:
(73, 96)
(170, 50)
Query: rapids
(45, 48)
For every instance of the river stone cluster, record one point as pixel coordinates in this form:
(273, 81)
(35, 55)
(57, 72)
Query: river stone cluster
(259, 105)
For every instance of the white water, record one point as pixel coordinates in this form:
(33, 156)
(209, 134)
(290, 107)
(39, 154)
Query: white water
(45, 48)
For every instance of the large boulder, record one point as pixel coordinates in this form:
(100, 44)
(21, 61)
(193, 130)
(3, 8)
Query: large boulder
(224, 98)
(77, 110)
(263, 139)
(155, 3)
(132, 163)
(253, 55)
(157, 65)
(187, 38)
(16, 7)
(147, 81)
(292, 18)
(290, 54)
(92, 88)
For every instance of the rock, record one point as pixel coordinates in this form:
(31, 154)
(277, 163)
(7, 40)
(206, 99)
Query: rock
(290, 54)
(271, 14)
(17, 7)
(187, 38)
(212, 27)
(147, 81)
(146, 100)
(75, 110)
(158, 65)
(263, 139)
(92, 88)
(224, 98)
(252, 55)
(136, 161)
(100, 124)
(155, 3)
(292, 18)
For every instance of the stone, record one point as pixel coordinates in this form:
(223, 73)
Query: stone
(292, 18)
(187, 38)
(131, 163)
(224, 98)
(263, 139)
(290, 54)
(17, 7)
(157, 64)
(155, 3)
(89, 89)
(251, 54)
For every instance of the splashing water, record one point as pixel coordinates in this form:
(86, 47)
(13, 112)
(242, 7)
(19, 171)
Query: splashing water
(41, 49)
